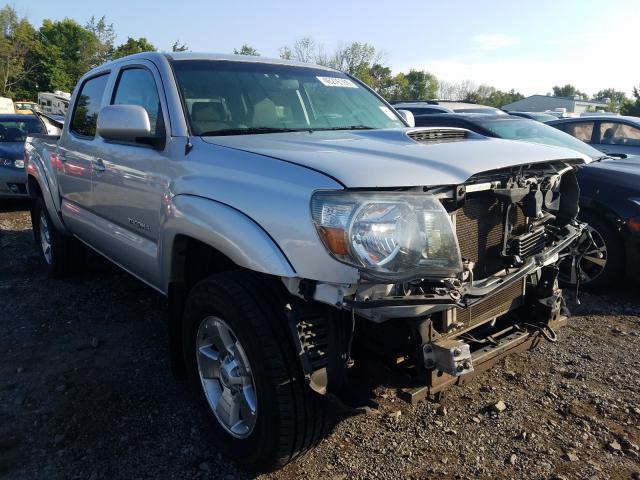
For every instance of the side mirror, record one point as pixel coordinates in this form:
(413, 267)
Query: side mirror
(407, 116)
(124, 123)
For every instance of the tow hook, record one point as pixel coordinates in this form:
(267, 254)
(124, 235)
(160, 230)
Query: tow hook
(449, 356)
(545, 330)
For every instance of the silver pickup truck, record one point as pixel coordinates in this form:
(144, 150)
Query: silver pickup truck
(289, 214)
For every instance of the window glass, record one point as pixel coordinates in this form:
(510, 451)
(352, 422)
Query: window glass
(580, 130)
(535, 132)
(17, 130)
(612, 133)
(136, 86)
(87, 106)
(232, 98)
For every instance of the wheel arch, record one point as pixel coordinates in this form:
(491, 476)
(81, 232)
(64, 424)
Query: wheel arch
(202, 237)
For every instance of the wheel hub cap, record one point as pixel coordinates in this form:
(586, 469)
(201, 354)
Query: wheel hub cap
(226, 377)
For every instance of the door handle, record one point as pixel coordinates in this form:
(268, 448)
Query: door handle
(98, 165)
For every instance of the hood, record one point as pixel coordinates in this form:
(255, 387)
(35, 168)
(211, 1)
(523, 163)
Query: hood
(11, 150)
(624, 172)
(389, 158)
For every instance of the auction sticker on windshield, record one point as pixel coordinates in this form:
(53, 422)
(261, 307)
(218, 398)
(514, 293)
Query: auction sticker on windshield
(337, 82)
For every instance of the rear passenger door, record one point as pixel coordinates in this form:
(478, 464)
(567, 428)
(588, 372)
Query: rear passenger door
(129, 185)
(617, 137)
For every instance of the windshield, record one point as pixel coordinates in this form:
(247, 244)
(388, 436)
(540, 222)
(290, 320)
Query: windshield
(536, 132)
(17, 130)
(232, 98)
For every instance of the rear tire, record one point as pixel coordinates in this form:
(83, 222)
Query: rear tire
(289, 417)
(61, 255)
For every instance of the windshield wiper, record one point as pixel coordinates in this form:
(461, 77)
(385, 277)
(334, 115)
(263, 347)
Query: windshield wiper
(251, 131)
(346, 127)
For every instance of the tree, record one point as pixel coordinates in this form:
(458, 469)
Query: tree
(355, 58)
(66, 51)
(422, 85)
(246, 50)
(132, 46)
(303, 50)
(106, 35)
(179, 47)
(631, 107)
(381, 80)
(568, 91)
(616, 98)
(17, 40)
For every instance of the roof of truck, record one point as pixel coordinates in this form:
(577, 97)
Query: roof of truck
(177, 56)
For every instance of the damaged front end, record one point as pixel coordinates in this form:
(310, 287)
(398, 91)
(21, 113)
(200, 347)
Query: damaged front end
(453, 278)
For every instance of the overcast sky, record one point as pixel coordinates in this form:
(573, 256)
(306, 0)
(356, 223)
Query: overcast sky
(527, 45)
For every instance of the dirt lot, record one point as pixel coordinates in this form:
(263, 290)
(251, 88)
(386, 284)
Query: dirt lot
(86, 393)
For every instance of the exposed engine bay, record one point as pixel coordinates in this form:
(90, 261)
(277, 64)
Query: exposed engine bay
(511, 227)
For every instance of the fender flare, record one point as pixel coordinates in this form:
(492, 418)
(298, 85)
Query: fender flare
(37, 169)
(224, 228)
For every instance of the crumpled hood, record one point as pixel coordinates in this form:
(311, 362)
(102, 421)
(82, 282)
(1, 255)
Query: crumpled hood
(11, 150)
(389, 158)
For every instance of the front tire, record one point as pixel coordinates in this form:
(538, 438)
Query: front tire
(240, 357)
(601, 261)
(61, 255)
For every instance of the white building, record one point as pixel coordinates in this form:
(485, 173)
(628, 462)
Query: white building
(543, 103)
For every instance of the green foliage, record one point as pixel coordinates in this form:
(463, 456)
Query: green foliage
(106, 35)
(17, 41)
(246, 50)
(568, 91)
(179, 47)
(132, 46)
(488, 95)
(632, 107)
(616, 98)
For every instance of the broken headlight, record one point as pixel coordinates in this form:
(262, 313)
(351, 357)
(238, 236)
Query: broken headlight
(394, 235)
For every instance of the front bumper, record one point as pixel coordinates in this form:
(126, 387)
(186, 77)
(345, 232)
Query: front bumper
(412, 306)
(13, 183)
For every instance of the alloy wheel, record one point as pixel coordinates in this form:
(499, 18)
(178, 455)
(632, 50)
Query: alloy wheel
(226, 377)
(45, 238)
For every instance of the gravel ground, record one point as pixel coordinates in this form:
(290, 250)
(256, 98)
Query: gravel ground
(86, 393)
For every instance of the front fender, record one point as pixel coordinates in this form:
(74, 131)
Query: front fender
(39, 169)
(224, 228)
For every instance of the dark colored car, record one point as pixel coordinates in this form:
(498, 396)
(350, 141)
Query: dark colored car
(14, 129)
(611, 134)
(424, 107)
(609, 197)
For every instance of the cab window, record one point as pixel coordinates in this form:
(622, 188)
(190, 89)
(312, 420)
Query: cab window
(136, 86)
(85, 114)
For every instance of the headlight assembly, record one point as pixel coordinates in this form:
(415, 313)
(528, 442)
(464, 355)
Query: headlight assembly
(390, 235)
(7, 162)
